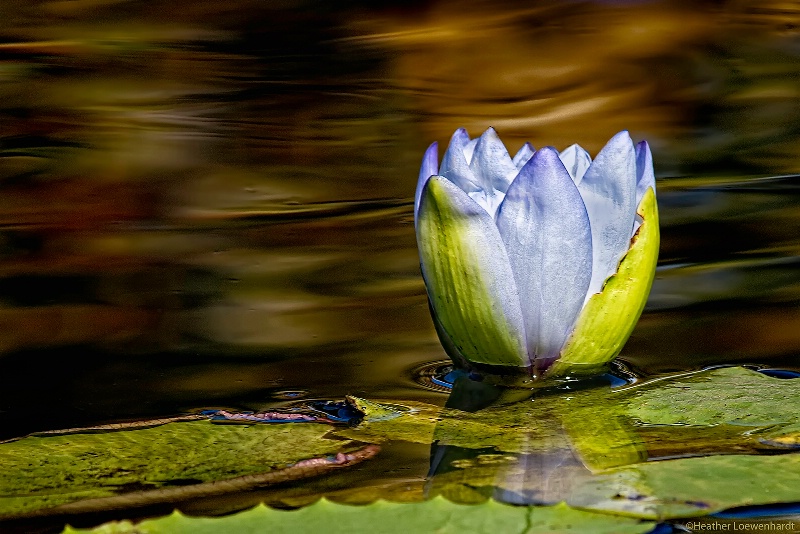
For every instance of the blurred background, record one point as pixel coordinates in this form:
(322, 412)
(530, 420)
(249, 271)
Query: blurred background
(209, 203)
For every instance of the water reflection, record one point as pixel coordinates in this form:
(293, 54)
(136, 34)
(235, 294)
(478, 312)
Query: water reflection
(542, 469)
(621, 449)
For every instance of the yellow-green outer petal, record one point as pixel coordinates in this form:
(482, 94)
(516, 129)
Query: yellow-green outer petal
(608, 318)
(469, 278)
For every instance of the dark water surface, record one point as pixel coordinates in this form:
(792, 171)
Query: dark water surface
(209, 204)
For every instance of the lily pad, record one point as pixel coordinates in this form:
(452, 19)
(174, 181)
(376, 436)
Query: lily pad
(509, 428)
(716, 411)
(732, 395)
(687, 487)
(437, 515)
(592, 447)
(41, 472)
(615, 433)
(692, 487)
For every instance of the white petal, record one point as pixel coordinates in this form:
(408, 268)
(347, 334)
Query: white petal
(491, 164)
(455, 165)
(576, 160)
(427, 169)
(523, 155)
(469, 149)
(545, 228)
(645, 177)
(608, 189)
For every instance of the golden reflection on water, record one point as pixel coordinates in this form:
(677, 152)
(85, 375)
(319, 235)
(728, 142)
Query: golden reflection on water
(554, 75)
(231, 184)
(558, 73)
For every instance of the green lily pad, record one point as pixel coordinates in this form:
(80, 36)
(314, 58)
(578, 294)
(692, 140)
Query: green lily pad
(600, 433)
(716, 411)
(41, 472)
(593, 448)
(687, 487)
(410, 421)
(692, 486)
(437, 515)
(708, 414)
(509, 428)
(730, 395)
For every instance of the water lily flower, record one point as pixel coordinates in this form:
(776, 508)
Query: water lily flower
(541, 261)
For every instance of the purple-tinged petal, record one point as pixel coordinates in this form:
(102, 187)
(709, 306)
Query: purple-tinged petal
(430, 164)
(645, 177)
(468, 277)
(523, 155)
(491, 164)
(608, 189)
(576, 160)
(459, 139)
(546, 231)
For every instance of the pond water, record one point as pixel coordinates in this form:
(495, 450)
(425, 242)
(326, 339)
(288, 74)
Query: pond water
(209, 204)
